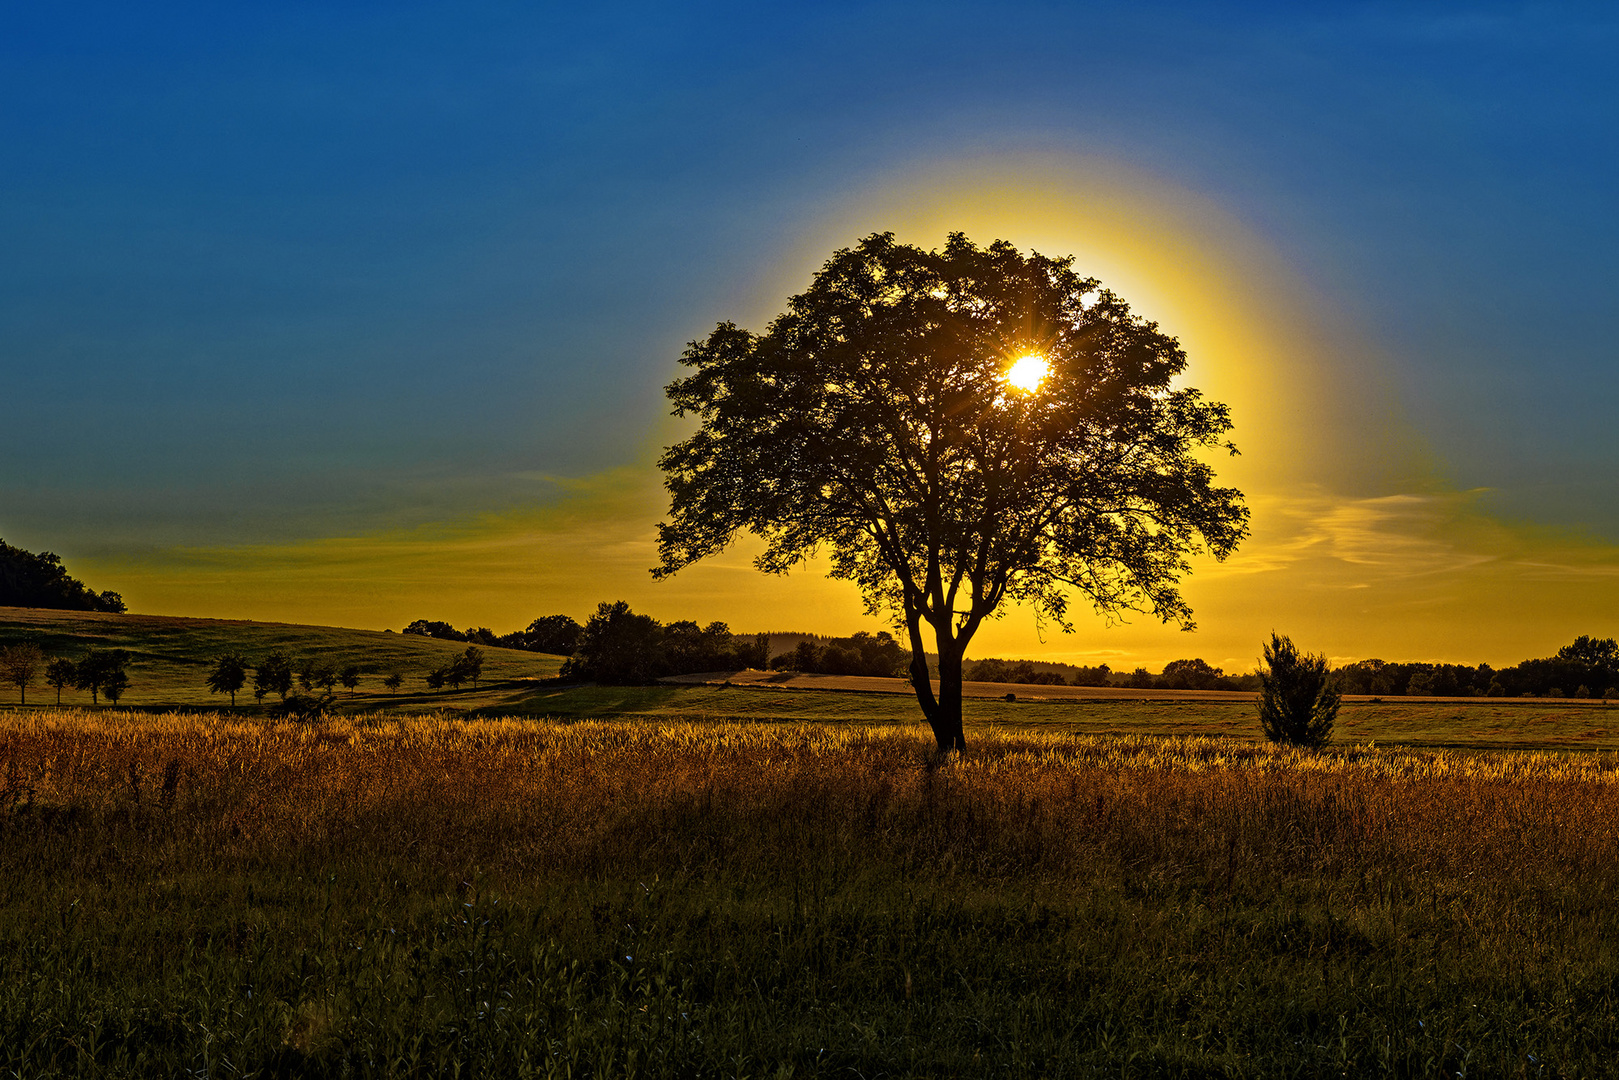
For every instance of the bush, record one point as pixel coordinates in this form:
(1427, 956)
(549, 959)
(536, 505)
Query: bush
(1297, 701)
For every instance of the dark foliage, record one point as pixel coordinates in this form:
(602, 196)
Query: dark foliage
(273, 676)
(60, 673)
(441, 630)
(1014, 671)
(20, 665)
(873, 420)
(1191, 675)
(1297, 701)
(620, 647)
(102, 673)
(555, 634)
(229, 675)
(1589, 662)
(40, 581)
(467, 668)
(859, 654)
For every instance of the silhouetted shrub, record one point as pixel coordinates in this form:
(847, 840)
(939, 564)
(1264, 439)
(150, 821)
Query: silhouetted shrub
(1297, 702)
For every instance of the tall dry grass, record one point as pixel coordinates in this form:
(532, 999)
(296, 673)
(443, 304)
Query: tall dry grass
(1194, 905)
(524, 797)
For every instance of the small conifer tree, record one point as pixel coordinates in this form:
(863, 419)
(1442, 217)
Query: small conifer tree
(1297, 701)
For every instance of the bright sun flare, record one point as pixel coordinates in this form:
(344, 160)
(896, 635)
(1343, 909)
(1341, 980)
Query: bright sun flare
(1027, 373)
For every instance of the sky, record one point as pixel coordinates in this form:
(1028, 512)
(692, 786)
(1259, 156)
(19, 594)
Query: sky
(358, 313)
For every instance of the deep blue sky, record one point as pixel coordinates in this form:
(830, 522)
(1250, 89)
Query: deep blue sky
(318, 269)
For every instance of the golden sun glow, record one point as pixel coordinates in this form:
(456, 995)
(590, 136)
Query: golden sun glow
(1028, 372)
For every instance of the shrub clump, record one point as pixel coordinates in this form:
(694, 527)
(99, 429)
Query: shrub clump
(1297, 701)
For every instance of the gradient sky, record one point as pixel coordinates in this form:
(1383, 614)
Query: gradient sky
(360, 313)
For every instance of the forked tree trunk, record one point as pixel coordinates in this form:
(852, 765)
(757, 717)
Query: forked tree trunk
(942, 710)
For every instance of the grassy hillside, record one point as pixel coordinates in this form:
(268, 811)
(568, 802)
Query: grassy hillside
(172, 657)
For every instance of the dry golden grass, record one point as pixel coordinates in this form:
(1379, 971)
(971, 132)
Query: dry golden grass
(535, 796)
(795, 899)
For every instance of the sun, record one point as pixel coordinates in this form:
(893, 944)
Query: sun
(1027, 372)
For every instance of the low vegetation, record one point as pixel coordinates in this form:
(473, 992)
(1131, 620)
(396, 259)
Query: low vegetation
(1297, 701)
(197, 893)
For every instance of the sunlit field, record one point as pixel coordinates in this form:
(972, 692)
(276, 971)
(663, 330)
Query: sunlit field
(188, 894)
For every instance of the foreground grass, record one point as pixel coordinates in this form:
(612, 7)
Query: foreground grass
(205, 895)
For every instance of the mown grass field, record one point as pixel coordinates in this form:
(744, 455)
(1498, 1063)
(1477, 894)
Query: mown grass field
(199, 894)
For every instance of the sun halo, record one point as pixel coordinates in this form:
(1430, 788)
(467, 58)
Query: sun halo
(1027, 372)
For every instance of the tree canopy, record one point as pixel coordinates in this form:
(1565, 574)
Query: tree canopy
(879, 418)
(41, 581)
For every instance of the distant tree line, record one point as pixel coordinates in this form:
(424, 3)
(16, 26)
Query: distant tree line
(1587, 667)
(860, 654)
(40, 581)
(555, 634)
(1194, 674)
(620, 647)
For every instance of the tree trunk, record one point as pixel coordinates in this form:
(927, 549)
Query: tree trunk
(947, 721)
(943, 711)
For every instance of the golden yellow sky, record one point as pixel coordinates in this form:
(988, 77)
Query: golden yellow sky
(1359, 548)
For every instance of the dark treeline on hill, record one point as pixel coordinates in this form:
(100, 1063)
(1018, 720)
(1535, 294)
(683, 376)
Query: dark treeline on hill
(620, 647)
(1588, 667)
(861, 654)
(41, 581)
(1194, 674)
(555, 634)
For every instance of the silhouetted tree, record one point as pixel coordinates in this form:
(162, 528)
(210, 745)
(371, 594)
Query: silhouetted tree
(467, 667)
(349, 677)
(875, 419)
(556, 634)
(1597, 652)
(41, 581)
(617, 646)
(273, 676)
(1297, 702)
(59, 673)
(114, 685)
(20, 665)
(1191, 675)
(230, 673)
(441, 630)
(102, 673)
(393, 681)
